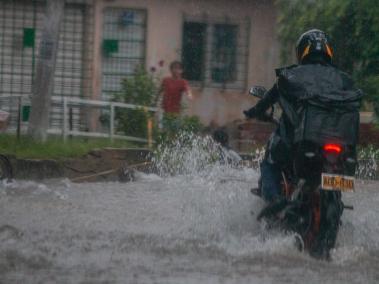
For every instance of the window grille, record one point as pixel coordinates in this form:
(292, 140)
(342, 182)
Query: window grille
(20, 34)
(215, 52)
(124, 41)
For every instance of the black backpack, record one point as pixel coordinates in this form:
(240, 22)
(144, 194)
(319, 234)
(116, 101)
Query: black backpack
(321, 103)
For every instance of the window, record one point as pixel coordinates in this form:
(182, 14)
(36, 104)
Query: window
(124, 41)
(215, 53)
(223, 64)
(194, 37)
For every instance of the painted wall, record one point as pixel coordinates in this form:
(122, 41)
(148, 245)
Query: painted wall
(164, 35)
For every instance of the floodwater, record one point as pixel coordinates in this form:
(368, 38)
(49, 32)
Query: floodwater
(193, 227)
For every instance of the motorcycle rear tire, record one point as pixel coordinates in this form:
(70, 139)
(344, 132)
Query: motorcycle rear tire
(331, 208)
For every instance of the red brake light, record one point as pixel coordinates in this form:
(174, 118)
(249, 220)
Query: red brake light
(333, 148)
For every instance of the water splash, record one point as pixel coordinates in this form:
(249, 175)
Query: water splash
(258, 157)
(368, 163)
(214, 197)
(189, 154)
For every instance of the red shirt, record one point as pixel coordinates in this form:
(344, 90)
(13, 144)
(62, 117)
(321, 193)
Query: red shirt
(172, 93)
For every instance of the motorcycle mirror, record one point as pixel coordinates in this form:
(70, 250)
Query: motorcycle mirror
(257, 91)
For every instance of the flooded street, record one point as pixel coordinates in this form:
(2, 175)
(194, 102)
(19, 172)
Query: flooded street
(132, 134)
(182, 229)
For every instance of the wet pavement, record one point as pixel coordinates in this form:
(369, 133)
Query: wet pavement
(194, 228)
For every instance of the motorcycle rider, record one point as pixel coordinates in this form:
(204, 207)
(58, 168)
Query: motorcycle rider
(314, 74)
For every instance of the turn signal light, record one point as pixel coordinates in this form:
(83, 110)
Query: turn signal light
(333, 148)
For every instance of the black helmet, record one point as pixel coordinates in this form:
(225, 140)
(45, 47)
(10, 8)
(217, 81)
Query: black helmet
(314, 42)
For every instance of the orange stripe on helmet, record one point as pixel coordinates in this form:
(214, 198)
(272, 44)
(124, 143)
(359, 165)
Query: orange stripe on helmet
(329, 50)
(306, 51)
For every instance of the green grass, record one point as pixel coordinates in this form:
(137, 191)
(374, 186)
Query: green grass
(54, 147)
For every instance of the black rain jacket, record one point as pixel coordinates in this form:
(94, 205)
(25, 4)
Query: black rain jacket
(320, 104)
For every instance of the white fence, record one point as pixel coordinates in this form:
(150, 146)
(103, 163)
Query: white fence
(63, 122)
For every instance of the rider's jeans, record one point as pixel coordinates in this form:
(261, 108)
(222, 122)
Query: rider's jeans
(271, 180)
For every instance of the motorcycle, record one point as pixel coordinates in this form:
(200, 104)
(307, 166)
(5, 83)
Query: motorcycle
(312, 186)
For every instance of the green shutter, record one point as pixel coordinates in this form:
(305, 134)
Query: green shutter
(110, 46)
(25, 113)
(29, 37)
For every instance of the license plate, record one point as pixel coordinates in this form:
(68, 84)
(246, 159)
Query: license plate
(337, 182)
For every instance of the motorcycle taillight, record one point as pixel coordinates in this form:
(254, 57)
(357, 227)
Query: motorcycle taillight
(332, 148)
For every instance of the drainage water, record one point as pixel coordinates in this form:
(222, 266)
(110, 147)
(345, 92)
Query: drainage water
(193, 224)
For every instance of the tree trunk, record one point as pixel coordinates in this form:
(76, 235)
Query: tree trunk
(44, 80)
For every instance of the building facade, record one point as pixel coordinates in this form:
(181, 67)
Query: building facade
(225, 46)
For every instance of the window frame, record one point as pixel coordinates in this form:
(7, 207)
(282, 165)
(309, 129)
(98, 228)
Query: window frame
(241, 57)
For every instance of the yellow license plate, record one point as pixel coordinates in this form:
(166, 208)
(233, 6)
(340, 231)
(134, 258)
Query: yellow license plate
(337, 182)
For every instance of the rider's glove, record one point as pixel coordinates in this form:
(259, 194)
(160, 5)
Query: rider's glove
(251, 113)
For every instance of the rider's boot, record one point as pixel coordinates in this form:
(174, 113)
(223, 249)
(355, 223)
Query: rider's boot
(273, 208)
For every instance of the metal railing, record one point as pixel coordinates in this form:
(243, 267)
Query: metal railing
(70, 121)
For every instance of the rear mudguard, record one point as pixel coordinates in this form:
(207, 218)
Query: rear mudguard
(331, 209)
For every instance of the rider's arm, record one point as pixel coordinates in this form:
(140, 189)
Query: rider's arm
(270, 98)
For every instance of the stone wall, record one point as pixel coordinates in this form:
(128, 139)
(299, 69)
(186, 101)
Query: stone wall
(97, 165)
